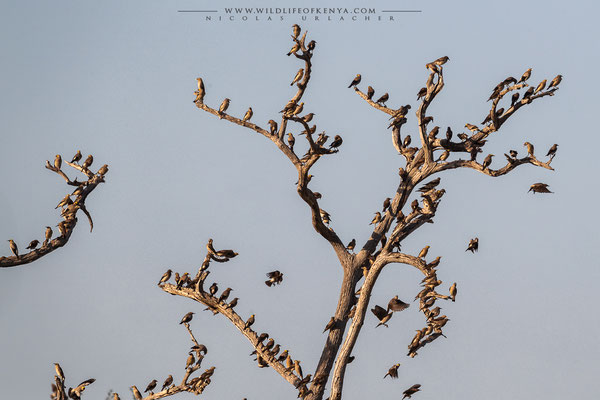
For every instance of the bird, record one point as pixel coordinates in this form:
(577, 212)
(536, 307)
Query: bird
(528, 93)
(539, 188)
(275, 278)
(225, 294)
(529, 148)
(76, 393)
(311, 45)
(473, 245)
(223, 107)
(190, 361)
(351, 245)
(396, 304)
(337, 142)
(555, 82)
(308, 117)
(294, 49)
(59, 372)
(233, 303)
(298, 109)
(167, 382)
(57, 161)
(422, 93)
(423, 252)
(166, 276)
(291, 141)
(248, 114)
(370, 92)
(453, 291)
(103, 170)
(392, 372)
(151, 386)
(487, 161)
(540, 87)
(13, 247)
(411, 390)
(273, 126)
(381, 314)
(514, 99)
(298, 368)
(136, 393)
(449, 134)
(187, 318)
(329, 325)
(441, 60)
(355, 81)
(385, 97)
(116, 396)
(249, 322)
(376, 219)
(33, 244)
(214, 288)
(295, 31)
(525, 76)
(48, 235)
(386, 203)
(513, 153)
(298, 76)
(552, 150)
(325, 217)
(76, 157)
(88, 162)
(429, 185)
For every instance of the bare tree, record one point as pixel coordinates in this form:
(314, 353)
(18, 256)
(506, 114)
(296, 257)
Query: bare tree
(398, 219)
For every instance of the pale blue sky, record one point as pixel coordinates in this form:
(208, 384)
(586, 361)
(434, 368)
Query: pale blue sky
(116, 80)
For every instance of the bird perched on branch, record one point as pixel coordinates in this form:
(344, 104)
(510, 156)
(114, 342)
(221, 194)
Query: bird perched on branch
(298, 76)
(57, 161)
(337, 142)
(103, 170)
(273, 126)
(13, 247)
(552, 150)
(88, 162)
(355, 81)
(376, 219)
(76, 157)
(225, 294)
(423, 252)
(411, 390)
(370, 92)
(48, 235)
(308, 117)
(295, 31)
(392, 372)
(151, 386)
(525, 76)
(471, 127)
(187, 318)
(385, 97)
(249, 322)
(429, 185)
(294, 49)
(422, 93)
(233, 303)
(449, 134)
(275, 278)
(223, 107)
(540, 87)
(487, 161)
(529, 148)
(539, 188)
(329, 325)
(311, 45)
(214, 288)
(351, 245)
(136, 393)
(33, 244)
(167, 382)
(166, 276)
(248, 114)
(291, 141)
(555, 82)
(473, 245)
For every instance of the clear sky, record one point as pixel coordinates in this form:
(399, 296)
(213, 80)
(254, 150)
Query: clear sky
(116, 79)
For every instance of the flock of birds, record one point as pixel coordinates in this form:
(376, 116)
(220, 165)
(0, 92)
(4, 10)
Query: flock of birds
(68, 207)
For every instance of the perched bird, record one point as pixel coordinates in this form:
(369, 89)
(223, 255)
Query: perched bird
(190, 361)
(423, 252)
(355, 81)
(525, 76)
(539, 188)
(406, 141)
(386, 203)
(249, 322)
(223, 107)
(57, 161)
(441, 60)
(411, 390)
(453, 291)
(308, 117)
(422, 93)
(294, 49)
(225, 294)
(529, 148)
(514, 99)
(370, 92)
(214, 288)
(167, 382)
(473, 245)
(13, 247)
(552, 150)
(337, 142)
(392, 372)
(275, 278)
(513, 153)
(151, 386)
(248, 114)
(88, 162)
(298, 109)
(311, 45)
(351, 245)
(262, 337)
(396, 304)
(385, 97)
(295, 31)
(76, 157)
(48, 235)
(376, 219)
(329, 325)
(273, 126)
(186, 318)
(166, 276)
(429, 185)
(33, 244)
(555, 82)
(528, 93)
(291, 140)
(289, 107)
(325, 217)
(59, 372)
(136, 393)
(487, 161)
(540, 87)
(103, 170)
(233, 303)
(298, 76)
(298, 368)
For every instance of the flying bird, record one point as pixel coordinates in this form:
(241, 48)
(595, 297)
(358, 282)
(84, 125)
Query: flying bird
(539, 188)
(473, 245)
(275, 278)
(355, 81)
(396, 304)
(392, 372)
(411, 390)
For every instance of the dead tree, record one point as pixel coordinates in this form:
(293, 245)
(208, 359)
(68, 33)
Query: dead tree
(70, 205)
(396, 221)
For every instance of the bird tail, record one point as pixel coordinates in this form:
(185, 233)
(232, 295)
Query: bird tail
(269, 283)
